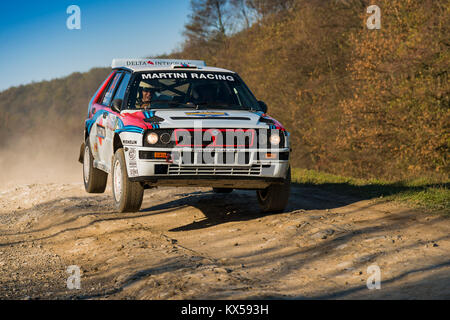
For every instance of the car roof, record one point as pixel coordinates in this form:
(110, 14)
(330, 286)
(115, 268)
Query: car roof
(142, 65)
(201, 69)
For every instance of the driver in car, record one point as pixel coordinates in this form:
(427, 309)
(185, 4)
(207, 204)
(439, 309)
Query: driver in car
(144, 102)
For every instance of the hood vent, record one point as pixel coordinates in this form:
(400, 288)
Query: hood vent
(209, 118)
(154, 119)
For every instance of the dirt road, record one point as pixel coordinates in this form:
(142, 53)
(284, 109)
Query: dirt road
(188, 243)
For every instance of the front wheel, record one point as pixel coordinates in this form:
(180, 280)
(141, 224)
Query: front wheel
(127, 195)
(275, 197)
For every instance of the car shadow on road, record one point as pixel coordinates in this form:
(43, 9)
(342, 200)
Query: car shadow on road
(242, 205)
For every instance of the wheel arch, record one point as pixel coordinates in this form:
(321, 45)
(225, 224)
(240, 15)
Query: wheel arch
(117, 143)
(83, 145)
(86, 134)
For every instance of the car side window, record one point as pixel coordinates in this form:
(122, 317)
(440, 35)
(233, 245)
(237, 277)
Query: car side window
(120, 93)
(109, 93)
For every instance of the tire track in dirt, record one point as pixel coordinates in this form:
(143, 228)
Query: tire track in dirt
(188, 243)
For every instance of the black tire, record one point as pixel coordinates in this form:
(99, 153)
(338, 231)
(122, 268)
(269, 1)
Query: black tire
(275, 197)
(94, 179)
(127, 195)
(222, 190)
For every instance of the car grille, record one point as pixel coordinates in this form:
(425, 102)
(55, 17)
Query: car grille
(253, 170)
(213, 158)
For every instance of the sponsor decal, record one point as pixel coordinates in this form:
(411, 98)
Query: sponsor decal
(134, 172)
(211, 76)
(110, 124)
(158, 62)
(132, 154)
(150, 62)
(184, 75)
(139, 63)
(101, 133)
(165, 75)
(132, 164)
(129, 142)
(207, 114)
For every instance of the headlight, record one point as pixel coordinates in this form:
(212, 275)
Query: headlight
(275, 139)
(152, 138)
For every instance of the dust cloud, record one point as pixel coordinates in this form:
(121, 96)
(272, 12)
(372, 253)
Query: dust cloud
(49, 156)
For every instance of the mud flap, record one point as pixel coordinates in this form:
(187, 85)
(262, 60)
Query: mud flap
(81, 157)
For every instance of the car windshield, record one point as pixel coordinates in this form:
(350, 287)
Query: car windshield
(190, 89)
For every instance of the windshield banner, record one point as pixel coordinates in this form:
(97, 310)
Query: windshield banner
(184, 75)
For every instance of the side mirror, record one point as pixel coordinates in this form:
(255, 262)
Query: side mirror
(262, 106)
(117, 105)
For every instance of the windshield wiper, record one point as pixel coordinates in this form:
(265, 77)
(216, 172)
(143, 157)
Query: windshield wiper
(221, 105)
(200, 104)
(171, 103)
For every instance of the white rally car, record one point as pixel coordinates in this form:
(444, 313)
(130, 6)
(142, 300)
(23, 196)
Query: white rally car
(156, 122)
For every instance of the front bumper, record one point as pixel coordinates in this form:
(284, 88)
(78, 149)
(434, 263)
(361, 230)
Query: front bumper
(243, 169)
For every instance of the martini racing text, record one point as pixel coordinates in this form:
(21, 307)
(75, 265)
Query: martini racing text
(183, 75)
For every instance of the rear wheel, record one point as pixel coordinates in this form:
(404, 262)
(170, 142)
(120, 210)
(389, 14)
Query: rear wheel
(128, 195)
(275, 197)
(94, 179)
(222, 190)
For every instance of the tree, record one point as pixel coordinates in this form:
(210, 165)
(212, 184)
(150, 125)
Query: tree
(217, 19)
(209, 20)
(396, 123)
(267, 7)
(242, 13)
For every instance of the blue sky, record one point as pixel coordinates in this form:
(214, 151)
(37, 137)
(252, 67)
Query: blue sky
(36, 45)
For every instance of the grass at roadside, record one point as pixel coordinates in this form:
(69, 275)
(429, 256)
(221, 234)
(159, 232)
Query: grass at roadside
(423, 193)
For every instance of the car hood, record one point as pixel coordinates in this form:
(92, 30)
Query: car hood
(188, 118)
